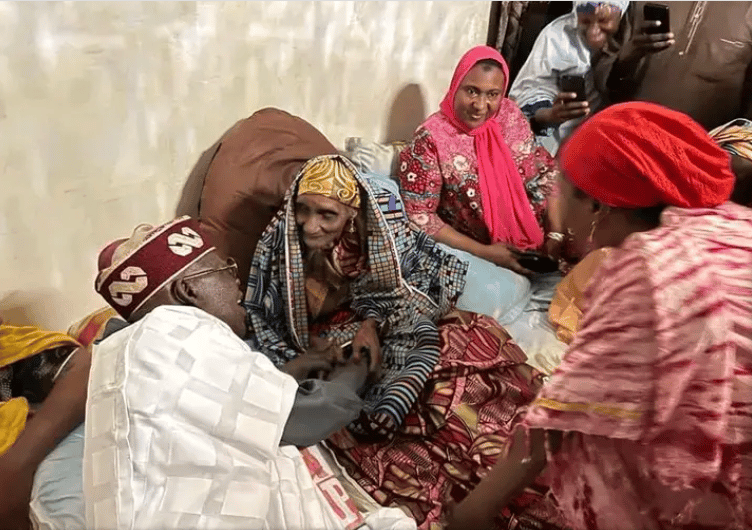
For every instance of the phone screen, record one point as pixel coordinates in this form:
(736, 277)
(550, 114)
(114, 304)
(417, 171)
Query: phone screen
(657, 12)
(573, 83)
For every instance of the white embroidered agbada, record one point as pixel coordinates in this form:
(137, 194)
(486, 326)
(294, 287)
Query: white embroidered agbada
(183, 426)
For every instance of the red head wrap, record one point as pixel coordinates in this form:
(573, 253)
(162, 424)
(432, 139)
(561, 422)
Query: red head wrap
(637, 154)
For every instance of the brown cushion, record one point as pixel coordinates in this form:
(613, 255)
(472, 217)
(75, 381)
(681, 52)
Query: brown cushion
(246, 181)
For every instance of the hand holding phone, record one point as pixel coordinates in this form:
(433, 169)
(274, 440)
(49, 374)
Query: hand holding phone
(658, 14)
(574, 84)
(653, 36)
(536, 262)
(570, 103)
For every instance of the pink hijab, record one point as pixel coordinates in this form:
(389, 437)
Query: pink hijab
(506, 208)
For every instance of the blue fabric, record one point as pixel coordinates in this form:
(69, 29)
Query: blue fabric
(58, 494)
(489, 289)
(492, 290)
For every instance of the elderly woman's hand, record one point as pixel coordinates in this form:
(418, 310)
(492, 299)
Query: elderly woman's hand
(317, 362)
(366, 344)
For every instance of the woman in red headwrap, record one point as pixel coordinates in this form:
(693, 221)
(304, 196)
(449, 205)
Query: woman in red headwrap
(473, 176)
(647, 422)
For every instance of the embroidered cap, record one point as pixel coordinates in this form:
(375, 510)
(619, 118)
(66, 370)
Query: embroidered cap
(132, 270)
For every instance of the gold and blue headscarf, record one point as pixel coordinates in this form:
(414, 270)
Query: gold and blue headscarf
(331, 178)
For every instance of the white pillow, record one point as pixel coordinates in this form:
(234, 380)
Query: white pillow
(533, 331)
(374, 157)
(491, 290)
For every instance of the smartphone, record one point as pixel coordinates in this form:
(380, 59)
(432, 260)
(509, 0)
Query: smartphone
(573, 83)
(656, 12)
(535, 262)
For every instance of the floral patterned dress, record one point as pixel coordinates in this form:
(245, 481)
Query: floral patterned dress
(439, 174)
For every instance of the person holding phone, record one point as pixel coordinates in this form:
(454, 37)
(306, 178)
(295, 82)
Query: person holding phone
(473, 177)
(701, 64)
(555, 87)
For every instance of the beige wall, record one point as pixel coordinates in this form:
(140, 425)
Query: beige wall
(105, 107)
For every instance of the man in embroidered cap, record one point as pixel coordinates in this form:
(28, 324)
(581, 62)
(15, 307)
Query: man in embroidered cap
(189, 373)
(176, 265)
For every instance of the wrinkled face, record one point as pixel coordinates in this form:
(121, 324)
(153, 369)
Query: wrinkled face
(217, 290)
(479, 95)
(598, 25)
(321, 220)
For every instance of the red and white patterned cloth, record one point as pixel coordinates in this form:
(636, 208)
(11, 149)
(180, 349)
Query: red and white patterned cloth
(655, 392)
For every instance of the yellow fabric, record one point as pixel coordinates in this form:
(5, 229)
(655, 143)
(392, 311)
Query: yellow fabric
(13, 415)
(91, 327)
(20, 342)
(600, 408)
(566, 307)
(330, 178)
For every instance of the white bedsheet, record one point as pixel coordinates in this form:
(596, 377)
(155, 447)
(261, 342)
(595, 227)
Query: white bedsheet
(533, 331)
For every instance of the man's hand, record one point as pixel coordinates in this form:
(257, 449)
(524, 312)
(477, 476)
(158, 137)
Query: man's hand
(643, 43)
(564, 108)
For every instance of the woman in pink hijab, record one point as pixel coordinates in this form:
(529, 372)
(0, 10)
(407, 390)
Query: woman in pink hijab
(473, 176)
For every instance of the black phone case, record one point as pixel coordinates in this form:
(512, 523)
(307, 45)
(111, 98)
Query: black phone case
(573, 83)
(657, 12)
(538, 263)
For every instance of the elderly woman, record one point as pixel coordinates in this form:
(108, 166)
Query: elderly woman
(647, 423)
(340, 261)
(340, 269)
(474, 177)
(566, 46)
